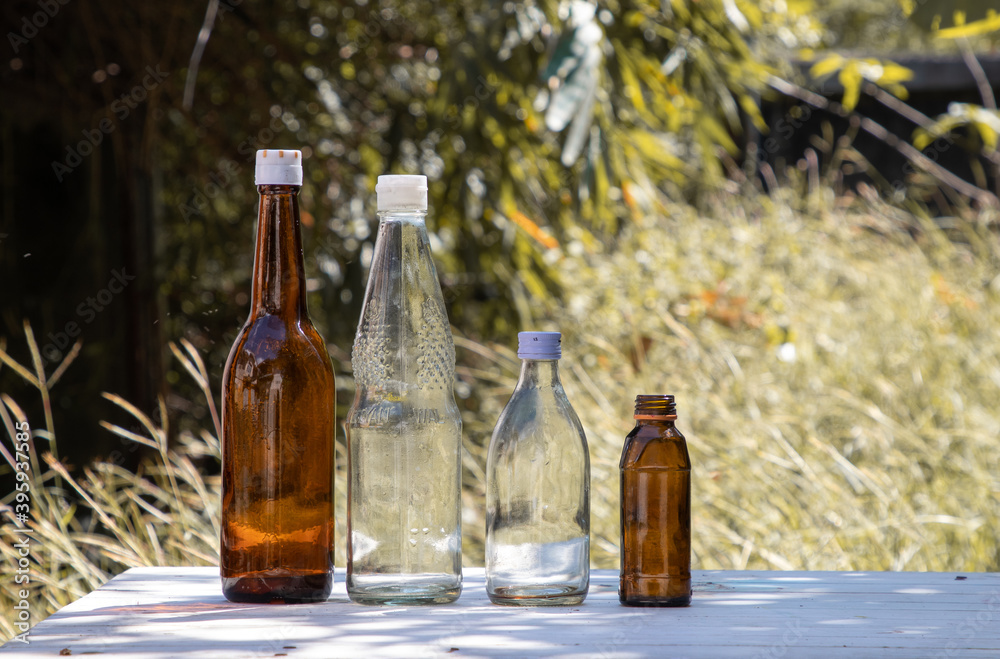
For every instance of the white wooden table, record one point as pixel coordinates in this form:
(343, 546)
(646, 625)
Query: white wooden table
(180, 612)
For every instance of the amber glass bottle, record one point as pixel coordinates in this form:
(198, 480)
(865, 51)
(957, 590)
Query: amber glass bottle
(656, 508)
(277, 418)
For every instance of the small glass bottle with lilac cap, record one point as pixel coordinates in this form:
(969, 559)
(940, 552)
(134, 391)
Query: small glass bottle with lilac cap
(538, 488)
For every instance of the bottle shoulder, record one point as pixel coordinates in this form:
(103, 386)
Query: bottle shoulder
(655, 446)
(665, 431)
(538, 416)
(270, 343)
(527, 404)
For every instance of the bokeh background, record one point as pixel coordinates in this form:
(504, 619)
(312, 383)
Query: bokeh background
(782, 212)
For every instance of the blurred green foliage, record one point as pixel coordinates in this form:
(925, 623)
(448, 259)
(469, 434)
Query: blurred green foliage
(541, 125)
(544, 126)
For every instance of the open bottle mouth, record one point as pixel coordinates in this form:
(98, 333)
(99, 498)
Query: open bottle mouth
(655, 406)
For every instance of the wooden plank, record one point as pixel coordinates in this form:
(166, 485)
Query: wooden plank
(165, 612)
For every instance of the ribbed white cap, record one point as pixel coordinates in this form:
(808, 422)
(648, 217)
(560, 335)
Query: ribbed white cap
(539, 345)
(278, 167)
(401, 193)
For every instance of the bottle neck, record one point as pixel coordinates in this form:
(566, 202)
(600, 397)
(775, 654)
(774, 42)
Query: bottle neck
(410, 215)
(655, 408)
(539, 373)
(654, 420)
(279, 282)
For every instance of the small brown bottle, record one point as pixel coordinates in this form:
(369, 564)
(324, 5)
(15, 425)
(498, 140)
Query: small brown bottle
(277, 418)
(656, 508)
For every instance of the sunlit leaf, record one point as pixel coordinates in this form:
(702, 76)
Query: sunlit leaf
(850, 77)
(826, 66)
(986, 25)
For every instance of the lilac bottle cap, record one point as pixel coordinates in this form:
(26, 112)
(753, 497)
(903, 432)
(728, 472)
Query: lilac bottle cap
(539, 345)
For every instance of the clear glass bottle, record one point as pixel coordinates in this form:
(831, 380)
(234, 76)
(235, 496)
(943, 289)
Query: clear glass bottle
(655, 508)
(404, 430)
(538, 488)
(278, 418)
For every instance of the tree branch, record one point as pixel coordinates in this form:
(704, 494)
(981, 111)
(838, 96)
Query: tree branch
(985, 90)
(878, 131)
(199, 50)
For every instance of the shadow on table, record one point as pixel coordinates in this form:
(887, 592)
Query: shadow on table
(762, 614)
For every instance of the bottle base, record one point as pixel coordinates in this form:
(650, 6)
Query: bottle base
(400, 590)
(654, 591)
(537, 596)
(682, 600)
(270, 588)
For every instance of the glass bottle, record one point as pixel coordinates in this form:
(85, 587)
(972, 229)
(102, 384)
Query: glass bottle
(655, 508)
(404, 430)
(538, 488)
(277, 418)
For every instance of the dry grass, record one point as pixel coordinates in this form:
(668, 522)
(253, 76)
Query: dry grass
(837, 379)
(89, 527)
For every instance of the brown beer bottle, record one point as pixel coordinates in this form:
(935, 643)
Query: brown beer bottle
(277, 418)
(656, 508)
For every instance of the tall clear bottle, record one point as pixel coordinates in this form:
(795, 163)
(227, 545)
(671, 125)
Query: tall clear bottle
(655, 508)
(538, 488)
(404, 430)
(277, 418)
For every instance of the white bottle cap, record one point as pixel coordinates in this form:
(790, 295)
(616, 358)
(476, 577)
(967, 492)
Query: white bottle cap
(278, 167)
(401, 193)
(539, 345)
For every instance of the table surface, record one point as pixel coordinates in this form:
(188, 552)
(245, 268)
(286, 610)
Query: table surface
(171, 612)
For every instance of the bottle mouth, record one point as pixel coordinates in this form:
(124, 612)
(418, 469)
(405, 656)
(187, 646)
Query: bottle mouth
(655, 406)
